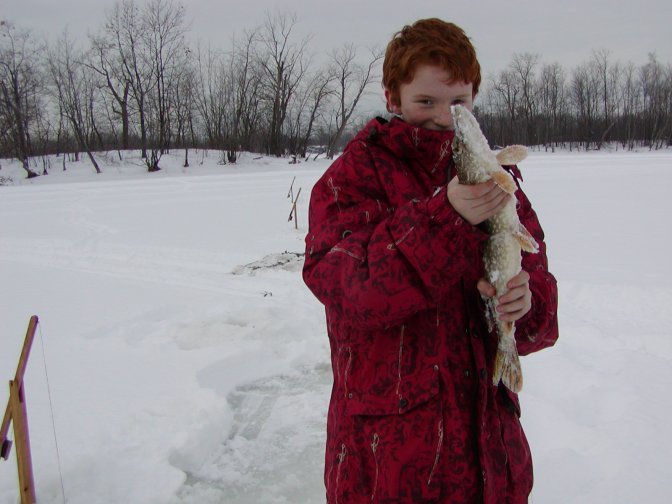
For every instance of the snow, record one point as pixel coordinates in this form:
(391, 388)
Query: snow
(188, 363)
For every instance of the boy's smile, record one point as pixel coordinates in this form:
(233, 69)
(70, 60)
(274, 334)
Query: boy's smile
(426, 100)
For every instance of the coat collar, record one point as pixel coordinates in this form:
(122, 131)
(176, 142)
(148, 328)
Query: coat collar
(406, 141)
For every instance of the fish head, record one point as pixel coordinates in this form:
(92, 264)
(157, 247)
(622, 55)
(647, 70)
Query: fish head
(463, 119)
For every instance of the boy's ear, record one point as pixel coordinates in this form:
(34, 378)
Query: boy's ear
(391, 107)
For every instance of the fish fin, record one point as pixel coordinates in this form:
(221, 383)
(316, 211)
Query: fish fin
(526, 240)
(504, 180)
(507, 367)
(511, 155)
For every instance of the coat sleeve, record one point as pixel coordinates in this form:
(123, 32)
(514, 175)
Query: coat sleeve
(539, 327)
(374, 266)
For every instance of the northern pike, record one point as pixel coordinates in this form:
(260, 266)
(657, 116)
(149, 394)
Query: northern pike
(476, 163)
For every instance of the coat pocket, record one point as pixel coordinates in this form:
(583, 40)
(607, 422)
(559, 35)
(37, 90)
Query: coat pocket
(396, 399)
(395, 436)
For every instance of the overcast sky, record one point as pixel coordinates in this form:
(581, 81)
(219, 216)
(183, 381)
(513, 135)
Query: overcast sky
(564, 32)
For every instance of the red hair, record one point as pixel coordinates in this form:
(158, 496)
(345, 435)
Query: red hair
(434, 42)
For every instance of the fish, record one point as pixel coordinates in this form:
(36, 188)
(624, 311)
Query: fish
(475, 163)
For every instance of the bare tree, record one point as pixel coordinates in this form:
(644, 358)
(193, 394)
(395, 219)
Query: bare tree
(606, 76)
(283, 64)
(507, 90)
(72, 89)
(43, 136)
(352, 80)
(655, 81)
(146, 49)
(551, 102)
(228, 95)
(523, 69)
(20, 84)
(181, 97)
(312, 104)
(163, 36)
(106, 62)
(124, 28)
(585, 97)
(631, 96)
(246, 75)
(491, 114)
(211, 94)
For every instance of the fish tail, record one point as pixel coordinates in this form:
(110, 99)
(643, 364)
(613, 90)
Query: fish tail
(505, 181)
(507, 367)
(526, 240)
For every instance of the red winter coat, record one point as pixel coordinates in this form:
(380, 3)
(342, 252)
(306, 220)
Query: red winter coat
(414, 416)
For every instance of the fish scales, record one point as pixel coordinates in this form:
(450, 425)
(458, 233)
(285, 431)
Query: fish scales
(475, 163)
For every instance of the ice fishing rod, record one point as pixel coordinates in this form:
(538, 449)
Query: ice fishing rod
(16, 414)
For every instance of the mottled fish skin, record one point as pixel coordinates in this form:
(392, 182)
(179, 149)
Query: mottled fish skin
(476, 163)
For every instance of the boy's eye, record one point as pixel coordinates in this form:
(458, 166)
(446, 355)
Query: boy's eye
(458, 101)
(425, 101)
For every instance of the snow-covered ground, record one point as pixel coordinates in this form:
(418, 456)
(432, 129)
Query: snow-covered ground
(188, 363)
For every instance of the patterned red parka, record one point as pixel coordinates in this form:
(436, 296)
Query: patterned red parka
(414, 416)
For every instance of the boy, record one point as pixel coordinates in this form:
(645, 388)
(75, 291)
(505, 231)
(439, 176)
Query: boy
(394, 253)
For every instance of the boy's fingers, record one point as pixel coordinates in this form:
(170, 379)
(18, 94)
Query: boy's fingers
(485, 288)
(517, 292)
(514, 304)
(510, 304)
(489, 208)
(478, 191)
(520, 279)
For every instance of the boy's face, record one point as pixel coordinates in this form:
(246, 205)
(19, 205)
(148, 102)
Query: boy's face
(426, 100)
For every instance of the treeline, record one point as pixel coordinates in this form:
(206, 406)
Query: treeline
(600, 101)
(138, 84)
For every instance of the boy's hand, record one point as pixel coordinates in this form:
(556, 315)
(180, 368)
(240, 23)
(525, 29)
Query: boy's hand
(516, 302)
(476, 203)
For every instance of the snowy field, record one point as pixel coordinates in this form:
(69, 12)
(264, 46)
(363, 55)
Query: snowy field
(188, 363)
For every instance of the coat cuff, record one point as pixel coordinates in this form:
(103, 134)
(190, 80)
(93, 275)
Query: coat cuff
(440, 245)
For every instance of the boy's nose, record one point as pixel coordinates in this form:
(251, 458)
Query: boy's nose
(444, 119)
